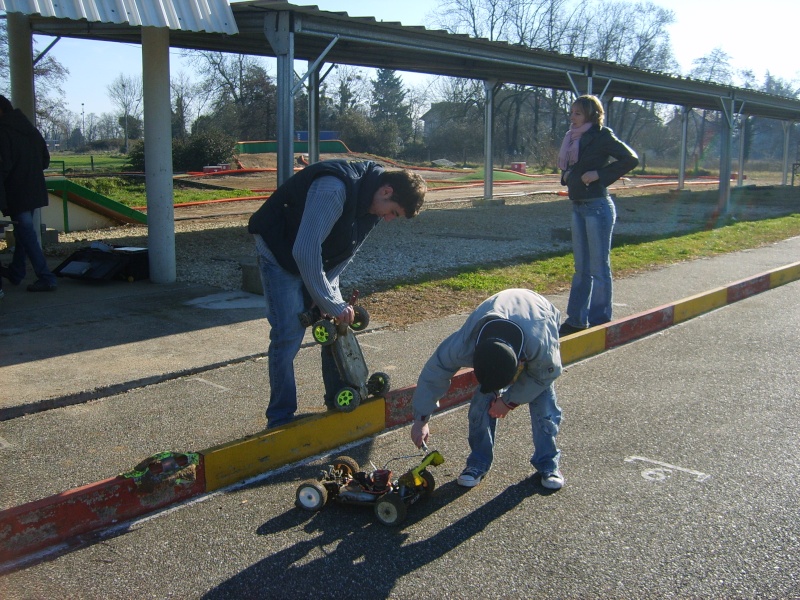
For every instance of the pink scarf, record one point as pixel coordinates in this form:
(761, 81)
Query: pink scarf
(568, 155)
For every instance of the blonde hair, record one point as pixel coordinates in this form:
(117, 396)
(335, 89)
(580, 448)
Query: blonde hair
(592, 108)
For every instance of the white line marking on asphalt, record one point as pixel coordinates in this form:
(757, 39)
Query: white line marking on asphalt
(4, 444)
(211, 383)
(665, 471)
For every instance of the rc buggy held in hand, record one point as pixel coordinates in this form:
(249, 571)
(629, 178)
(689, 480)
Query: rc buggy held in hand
(344, 482)
(348, 356)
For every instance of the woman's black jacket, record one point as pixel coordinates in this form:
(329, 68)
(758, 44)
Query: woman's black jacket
(595, 150)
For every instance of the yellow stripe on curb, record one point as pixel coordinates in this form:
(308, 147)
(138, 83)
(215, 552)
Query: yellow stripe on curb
(230, 463)
(583, 345)
(784, 275)
(690, 307)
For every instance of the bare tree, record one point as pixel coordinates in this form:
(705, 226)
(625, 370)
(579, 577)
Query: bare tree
(125, 92)
(185, 100)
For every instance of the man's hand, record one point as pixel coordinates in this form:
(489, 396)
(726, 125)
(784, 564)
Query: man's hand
(498, 409)
(347, 316)
(419, 433)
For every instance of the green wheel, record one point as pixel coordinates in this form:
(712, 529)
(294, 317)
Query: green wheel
(324, 332)
(347, 399)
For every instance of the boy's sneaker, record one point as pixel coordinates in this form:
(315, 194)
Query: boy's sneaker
(470, 477)
(553, 480)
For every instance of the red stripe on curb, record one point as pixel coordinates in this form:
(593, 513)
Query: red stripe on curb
(748, 287)
(639, 325)
(57, 519)
(398, 402)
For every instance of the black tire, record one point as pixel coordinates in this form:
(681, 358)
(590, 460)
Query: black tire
(378, 384)
(361, 319)
(390, 509)
(348, 466)
(311, 495)
(347, 399)
(429, 485)
(324, 332)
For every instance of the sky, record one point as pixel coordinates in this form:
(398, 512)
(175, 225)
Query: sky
(759, 36)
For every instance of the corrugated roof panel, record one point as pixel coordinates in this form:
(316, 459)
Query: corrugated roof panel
(214, 16)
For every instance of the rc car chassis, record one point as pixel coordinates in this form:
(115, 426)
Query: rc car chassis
(348, 356)
(344, 482)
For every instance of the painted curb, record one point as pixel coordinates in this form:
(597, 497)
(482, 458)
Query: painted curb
(64, 518)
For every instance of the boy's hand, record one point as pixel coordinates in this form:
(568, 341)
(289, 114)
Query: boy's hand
(420, 433)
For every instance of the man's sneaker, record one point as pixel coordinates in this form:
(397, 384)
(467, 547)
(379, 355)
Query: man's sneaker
(553, 480)
(470, 477)
(567, 329)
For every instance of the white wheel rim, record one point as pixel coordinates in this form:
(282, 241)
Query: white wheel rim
(309, 497)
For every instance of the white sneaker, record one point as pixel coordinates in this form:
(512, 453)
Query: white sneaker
(553, 480)
(470, 477)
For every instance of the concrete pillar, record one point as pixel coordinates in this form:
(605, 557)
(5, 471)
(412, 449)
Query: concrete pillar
(20, 58)
(23, 95)
(488, 141)
(313, 113)
(684, 136)
(725, 157)
(277, 29)
(158, 153)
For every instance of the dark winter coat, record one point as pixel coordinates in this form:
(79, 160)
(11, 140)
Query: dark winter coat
(277, 221)
(595, 149)
(23, 159)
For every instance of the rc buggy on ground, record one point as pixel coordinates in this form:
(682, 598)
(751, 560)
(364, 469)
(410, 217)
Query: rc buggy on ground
(343, 481)
(348, 356)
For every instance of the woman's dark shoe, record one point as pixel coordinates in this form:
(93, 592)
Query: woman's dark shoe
(40, 285)
(567, 329)
(6, 272)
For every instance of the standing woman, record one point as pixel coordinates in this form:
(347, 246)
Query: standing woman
(587, 170)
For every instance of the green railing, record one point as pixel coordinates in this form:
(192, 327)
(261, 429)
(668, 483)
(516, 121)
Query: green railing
(72, 192)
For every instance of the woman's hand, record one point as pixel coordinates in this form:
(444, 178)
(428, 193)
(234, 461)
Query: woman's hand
(589, 177)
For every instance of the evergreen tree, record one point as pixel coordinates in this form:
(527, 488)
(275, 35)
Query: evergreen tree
(388, 103)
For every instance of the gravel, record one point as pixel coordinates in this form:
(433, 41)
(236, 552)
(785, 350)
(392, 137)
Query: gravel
(445, 236)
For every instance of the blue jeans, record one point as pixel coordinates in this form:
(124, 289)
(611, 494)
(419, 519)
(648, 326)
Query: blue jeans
(591, 295)
(26, 247)
(545, 421)
(283, 293)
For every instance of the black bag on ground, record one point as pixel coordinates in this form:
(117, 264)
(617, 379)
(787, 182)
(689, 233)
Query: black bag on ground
(102, 262)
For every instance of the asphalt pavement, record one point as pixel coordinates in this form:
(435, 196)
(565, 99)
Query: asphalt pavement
(680, 455)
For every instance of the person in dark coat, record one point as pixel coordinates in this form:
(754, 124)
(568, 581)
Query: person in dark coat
(591, 159)
(23, 159)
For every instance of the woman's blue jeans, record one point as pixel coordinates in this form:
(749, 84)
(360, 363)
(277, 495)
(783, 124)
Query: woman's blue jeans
(545, 421)
(283, 293)
(26, 247)
(591, 295)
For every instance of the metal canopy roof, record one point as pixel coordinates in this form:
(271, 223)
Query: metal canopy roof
(366, 42)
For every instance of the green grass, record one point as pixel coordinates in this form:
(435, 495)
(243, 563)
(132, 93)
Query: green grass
(132, 193)
(87, 163)
(553, 273)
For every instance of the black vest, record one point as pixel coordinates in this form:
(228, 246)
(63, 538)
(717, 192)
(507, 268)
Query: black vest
(278, 219)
